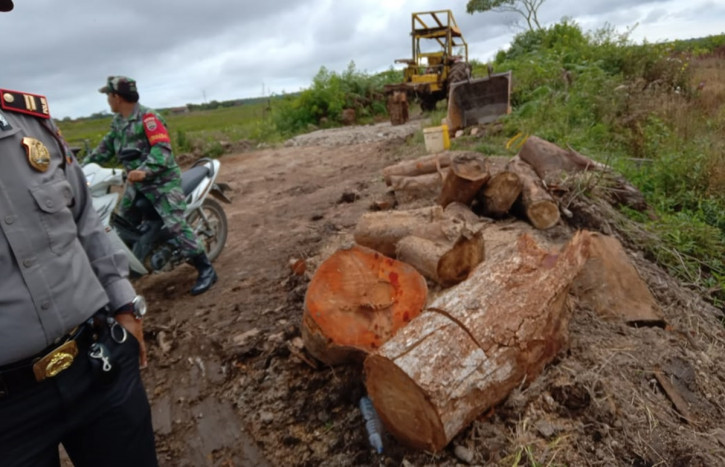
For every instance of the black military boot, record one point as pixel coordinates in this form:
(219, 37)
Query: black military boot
(207, 275)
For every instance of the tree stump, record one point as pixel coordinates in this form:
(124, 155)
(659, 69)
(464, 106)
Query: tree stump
(356, 301)
(475, 343)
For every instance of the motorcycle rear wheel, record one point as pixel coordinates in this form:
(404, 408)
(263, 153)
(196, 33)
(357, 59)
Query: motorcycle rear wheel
(211, 228)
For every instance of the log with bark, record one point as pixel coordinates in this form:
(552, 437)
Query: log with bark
(383, 230)
(444, 245)
(408, 189)
(419, 166)
(356, 301)
(549, 160)
(468, 173)
(475, 343)
(537, 204)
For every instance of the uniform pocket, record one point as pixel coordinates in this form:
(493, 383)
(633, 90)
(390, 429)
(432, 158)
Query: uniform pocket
(54, 199)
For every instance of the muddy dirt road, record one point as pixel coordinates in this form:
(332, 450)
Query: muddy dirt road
(227, 387)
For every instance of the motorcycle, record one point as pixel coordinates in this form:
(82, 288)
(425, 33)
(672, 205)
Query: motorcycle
(147, 243)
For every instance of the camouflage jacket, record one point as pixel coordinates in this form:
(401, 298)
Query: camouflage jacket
(145, 130)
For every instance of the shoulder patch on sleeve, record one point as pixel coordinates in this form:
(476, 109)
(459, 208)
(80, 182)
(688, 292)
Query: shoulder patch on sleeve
(155, 130)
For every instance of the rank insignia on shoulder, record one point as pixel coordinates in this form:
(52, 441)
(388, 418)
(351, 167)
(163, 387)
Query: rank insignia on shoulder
(38, 154)
(31, 104)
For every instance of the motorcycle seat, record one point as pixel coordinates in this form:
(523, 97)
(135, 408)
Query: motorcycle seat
(191, 178)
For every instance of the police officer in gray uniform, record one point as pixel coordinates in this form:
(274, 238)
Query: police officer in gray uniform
(70, 322)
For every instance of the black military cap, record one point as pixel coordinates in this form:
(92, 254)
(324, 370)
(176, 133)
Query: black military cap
(6, 5)
(121, 85)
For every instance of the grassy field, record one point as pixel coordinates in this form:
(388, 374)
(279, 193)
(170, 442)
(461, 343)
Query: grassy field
(201, 130)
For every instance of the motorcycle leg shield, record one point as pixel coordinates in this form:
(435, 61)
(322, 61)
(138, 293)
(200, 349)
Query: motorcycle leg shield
(207, 275)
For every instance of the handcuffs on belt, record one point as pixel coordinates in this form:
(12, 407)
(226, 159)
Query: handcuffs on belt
(62, 357)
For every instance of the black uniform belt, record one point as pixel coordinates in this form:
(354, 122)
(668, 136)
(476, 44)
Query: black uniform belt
(26, 373)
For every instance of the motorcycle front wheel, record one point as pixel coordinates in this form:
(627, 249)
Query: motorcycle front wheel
(209, 223)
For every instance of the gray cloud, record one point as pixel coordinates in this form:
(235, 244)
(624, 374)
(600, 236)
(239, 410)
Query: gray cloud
(184, 52)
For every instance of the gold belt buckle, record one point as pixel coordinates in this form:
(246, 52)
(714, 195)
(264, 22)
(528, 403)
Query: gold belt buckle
(56, 361)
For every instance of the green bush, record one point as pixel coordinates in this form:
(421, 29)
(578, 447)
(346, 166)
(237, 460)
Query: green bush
(322, 104)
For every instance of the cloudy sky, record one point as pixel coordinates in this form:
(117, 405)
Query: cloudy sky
(184, 51)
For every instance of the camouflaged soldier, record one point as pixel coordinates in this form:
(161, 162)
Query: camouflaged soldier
(154, 174)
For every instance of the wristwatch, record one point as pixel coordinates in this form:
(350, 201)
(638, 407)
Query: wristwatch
(137, 307)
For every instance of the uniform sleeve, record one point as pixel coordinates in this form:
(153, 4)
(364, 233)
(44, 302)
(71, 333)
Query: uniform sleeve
(160, 156)
(103, 152)
(108, 262)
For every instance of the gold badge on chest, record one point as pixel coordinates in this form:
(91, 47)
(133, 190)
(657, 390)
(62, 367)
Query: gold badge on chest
(38, 154)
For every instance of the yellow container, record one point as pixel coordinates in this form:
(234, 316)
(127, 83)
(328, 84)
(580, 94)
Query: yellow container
(436, 139)
(446, 136)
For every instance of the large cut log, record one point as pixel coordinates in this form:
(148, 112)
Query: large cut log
(446, 263)
(475, 343)
(408, 189)
(610, 285)
(468, 173)
(357, 300)
(549, 160)
(419, 166)
(382, 231)
(537, 204)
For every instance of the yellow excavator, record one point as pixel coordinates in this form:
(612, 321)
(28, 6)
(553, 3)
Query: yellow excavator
(440, 65)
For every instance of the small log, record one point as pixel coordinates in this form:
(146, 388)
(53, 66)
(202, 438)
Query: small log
(419, 166)
(538, 205)
(549, 160)
(398, 107)
(476, 342)
(356, 301)
(420, 187)
(499, 194)
(469, 172)
(446, 263)
(610, 285)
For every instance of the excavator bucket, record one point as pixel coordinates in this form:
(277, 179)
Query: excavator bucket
(477, 101)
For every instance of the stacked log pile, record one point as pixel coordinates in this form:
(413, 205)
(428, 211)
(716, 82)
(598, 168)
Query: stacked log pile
(432, 366)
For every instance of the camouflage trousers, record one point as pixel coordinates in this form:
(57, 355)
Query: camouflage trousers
(168, 200)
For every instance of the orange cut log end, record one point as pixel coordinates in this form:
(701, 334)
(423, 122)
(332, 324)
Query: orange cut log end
(356, 301)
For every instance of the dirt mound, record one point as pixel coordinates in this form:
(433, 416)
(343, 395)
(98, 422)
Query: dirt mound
(230, 384)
